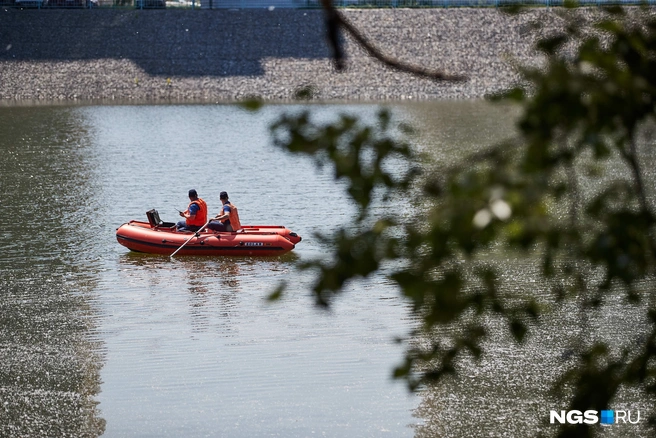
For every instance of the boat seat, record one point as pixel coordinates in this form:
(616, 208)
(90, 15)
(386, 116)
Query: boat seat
(155, 221)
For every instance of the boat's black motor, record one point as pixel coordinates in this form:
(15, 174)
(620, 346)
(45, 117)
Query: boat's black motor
(155, 221)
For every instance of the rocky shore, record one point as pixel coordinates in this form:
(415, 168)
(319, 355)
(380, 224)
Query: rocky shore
(225, 55)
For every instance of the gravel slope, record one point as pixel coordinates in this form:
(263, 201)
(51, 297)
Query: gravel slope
(225, 55)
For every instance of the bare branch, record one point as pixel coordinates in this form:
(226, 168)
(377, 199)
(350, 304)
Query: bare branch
(335, 19)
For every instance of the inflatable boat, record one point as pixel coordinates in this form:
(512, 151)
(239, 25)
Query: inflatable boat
(157, 237)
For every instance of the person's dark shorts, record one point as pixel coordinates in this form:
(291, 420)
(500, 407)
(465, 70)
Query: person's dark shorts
(182, 226)
(217, 226)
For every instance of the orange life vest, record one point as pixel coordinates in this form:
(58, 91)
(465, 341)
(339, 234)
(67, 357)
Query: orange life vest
(201, 215)
(233, 217)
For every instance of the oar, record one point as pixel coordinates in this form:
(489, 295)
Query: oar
(191, 237)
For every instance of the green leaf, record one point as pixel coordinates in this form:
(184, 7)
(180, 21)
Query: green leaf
(307, 92)
(518, 330)
(278, 292)
(550, 45)
(252, 104)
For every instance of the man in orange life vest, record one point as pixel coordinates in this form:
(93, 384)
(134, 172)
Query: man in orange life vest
(228, 219)
(195, 215)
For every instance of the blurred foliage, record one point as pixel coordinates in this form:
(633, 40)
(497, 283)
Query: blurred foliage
(591, 101)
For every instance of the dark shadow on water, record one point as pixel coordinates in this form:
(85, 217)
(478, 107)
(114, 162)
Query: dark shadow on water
(157, 260)
(228, 269)
(165, 42)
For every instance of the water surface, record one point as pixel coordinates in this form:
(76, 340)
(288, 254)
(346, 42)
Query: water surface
(148, 346)
(95, 340)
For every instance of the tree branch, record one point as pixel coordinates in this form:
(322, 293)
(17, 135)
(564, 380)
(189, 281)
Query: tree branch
(335, 20)
(632, 158)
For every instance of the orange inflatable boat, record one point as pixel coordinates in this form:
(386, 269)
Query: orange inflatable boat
(157, 237)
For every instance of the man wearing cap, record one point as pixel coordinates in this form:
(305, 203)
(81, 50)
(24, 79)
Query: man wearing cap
(195, 215)
(228, 219)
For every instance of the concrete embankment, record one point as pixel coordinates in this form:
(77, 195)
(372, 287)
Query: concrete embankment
(225, 55)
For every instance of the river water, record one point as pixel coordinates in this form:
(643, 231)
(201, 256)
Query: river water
(95, 340)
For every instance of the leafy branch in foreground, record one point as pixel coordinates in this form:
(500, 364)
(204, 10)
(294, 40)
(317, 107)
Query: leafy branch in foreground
(544, 196)
(359, 155)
